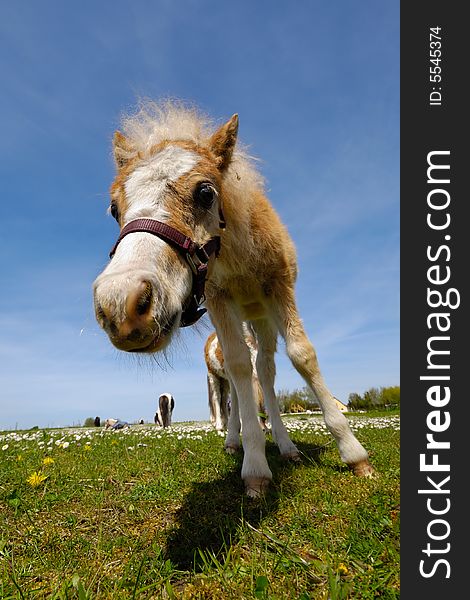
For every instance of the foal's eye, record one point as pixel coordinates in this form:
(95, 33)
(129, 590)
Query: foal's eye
(114, 211)
(205, 194)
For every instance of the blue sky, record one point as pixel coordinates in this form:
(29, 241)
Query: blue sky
(316, 87)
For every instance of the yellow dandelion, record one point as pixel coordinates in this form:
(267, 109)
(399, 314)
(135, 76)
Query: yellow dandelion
(48, 461)
(36, 478)
(343, 569)
(87, 447)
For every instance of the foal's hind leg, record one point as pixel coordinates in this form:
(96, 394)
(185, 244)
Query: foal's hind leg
(266, 369)
(217, 414)
(224, 394)
(232, 441)
(304, 359)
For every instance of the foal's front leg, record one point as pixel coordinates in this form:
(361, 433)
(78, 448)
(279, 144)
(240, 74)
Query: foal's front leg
(255, 470)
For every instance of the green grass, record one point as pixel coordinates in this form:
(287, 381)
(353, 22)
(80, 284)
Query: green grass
(134, 515)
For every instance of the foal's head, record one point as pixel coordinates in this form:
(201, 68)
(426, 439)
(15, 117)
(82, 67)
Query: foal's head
(142, 293)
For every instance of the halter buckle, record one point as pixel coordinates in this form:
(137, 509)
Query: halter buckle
(200, 300)
(191, 263)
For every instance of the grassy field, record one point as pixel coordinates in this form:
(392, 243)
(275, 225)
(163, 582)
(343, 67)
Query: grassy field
(147, 513)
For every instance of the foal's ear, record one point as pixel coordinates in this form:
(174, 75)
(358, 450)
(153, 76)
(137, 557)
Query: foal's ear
(223, 142)
(123, 150)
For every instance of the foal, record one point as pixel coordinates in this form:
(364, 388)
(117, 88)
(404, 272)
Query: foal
(193, 213)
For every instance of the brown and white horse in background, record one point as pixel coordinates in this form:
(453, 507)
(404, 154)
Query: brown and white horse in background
(174, 168)
(218, 385)
(166, 404)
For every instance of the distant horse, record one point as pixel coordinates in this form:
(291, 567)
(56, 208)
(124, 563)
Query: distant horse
(218, 385)
(166, 404)
(196, 227)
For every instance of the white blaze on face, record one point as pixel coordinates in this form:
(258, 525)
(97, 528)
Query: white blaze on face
(145, 187)
(145, 195)
(137, 255)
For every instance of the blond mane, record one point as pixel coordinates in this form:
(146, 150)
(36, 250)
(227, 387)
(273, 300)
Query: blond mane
(155, 122)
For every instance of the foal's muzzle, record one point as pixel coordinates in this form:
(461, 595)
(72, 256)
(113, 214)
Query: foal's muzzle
(130, 324)
(196, 255)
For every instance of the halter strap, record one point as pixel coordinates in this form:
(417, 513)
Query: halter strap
(196, 255)
(165, 232)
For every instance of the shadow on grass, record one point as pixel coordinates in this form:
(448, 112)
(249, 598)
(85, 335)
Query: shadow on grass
(212, 512)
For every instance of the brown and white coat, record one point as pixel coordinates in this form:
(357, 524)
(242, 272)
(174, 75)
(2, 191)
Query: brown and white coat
(166, 404)
(218, 382)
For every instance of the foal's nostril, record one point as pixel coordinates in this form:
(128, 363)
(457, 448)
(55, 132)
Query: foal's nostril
(144, 301)
(134, 336)
(105, 321)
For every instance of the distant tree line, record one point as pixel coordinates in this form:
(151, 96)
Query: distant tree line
(300, 400)
(376, 399)
(297, 401)
(92, 422)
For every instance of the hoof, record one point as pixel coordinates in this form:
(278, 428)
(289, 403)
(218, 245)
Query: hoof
(292, 456)
(363, 469)
(232, 449)
(255, 487)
